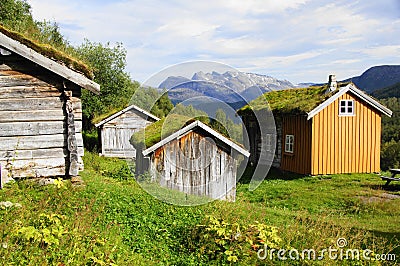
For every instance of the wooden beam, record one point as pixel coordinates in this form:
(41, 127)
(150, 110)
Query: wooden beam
(73, 167)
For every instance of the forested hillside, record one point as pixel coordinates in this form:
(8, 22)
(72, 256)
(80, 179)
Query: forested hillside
(390, 153)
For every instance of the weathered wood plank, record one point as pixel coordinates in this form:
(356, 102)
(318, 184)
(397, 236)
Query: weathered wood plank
(47, 103)
(37, 154)
(38, 172)
(30, 104)
(20, 80)
(34, 128)
(35, 116)
(29, 92)
(36, 142)
(34, 167)
(32, 163)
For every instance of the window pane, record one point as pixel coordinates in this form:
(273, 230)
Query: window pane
(289, 140)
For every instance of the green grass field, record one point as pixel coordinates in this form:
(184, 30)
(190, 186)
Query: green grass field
(112, 221)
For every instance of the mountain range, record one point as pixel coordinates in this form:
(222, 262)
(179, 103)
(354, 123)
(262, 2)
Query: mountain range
(238, 88)
(230, 87)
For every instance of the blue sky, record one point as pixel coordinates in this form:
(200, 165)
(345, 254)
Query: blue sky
(297, 40)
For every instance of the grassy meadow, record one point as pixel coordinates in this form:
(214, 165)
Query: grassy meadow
(111, 220)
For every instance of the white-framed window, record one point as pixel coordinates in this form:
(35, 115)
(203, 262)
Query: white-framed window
(346, 107)
(268, 142)
(289, 143)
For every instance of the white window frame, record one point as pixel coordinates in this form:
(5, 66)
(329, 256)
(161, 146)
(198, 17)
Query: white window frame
(268, 142)
(346, 108)
(289, 143)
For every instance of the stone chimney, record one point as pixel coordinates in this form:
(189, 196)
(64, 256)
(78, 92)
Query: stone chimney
(332, 83)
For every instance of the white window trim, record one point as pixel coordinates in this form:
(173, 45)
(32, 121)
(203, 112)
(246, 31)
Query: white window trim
(289, 143)
(268, 142)
(346, 112)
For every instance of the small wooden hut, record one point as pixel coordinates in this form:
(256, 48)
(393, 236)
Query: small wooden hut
(40, 109)
(329, 129)
(195, 160)
(115, 131)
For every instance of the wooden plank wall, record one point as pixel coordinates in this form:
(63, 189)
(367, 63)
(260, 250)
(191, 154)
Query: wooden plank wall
(115, 135)
(300, 160)
(195, 165)
(33, 124)
(346, 144)
(252, 128)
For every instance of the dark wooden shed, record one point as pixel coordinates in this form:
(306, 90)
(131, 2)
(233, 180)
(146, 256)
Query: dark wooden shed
(40, 110)
(195, 160)
(116, 130)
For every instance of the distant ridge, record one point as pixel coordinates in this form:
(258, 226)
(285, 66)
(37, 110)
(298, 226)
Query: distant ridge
(232, 87)
(377, 77)
(388, 92)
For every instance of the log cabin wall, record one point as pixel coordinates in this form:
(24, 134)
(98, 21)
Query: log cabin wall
(346, 144)
(273, 127)
(195, 165)
(298, 161)
(251, 126)
(33, 120)
(115, 134)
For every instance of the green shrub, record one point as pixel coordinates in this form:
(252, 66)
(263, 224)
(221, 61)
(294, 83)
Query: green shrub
(217, 240)
(390, 155)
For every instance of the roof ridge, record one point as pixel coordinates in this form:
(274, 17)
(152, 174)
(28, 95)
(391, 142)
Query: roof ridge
(124, 110)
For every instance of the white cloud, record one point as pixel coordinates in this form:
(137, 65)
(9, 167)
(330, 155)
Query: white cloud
(266, 36)
(383, 51)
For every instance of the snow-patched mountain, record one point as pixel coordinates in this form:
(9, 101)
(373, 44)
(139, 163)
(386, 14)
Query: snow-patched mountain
(229, 87)
(240, 81)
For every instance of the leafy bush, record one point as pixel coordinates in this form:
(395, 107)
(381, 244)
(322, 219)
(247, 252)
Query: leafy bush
(45, 232)
(217, 240)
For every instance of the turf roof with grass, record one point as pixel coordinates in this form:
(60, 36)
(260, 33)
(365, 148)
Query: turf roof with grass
(167, 126)
(290, 101)
(159, 130)
(50, 52)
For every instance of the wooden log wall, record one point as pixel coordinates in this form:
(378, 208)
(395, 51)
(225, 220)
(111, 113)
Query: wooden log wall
(33, 124)
(300, 160)
(195, 165)
(115, 135)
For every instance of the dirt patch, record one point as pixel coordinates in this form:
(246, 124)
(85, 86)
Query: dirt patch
(380, 198)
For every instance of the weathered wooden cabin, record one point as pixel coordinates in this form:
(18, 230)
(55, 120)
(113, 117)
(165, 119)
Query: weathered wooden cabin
(40, 110)
(116, 130)
(330, 129)
(195, 160)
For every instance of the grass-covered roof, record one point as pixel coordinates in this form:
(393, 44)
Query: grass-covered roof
(168, 125)
(290, 101)
(50, 52)
(159, 130)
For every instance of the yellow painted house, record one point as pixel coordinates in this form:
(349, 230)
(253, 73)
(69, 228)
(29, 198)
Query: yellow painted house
(330, 129)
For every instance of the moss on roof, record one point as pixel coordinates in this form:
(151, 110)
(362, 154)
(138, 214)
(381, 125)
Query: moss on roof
(159, 130)
(50, 52)
(290, 101)
(107, 114)
(165, 127)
